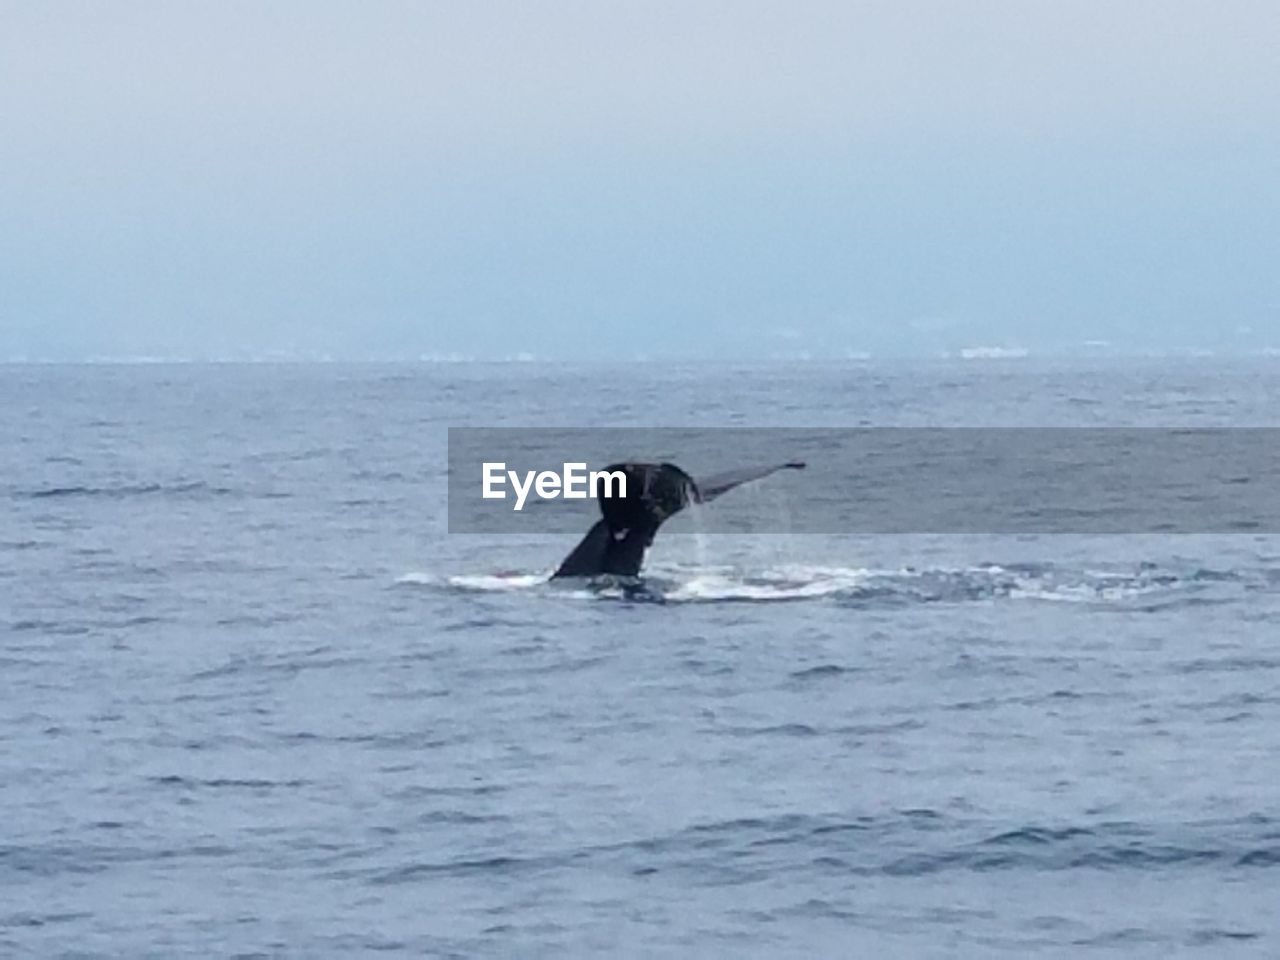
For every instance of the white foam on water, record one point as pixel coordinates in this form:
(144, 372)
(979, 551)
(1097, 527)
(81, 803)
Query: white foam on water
(480, 582)
(418, 579)
(498, 581)
(1091, 586)
(693, 582)
(787, 582)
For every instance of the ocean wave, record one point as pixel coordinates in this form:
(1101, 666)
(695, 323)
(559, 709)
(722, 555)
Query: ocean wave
(904, 843)
(122, 491)
(221, 783)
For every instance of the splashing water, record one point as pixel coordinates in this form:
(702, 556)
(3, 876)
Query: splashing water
(861, 587)
(697, 519)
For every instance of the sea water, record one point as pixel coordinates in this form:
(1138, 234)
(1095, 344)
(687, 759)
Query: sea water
(255, 701)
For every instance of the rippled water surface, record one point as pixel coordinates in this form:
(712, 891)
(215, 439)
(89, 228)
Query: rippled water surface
(255, 701)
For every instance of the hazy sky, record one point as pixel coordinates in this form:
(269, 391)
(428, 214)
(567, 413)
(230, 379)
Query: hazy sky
(614, 179)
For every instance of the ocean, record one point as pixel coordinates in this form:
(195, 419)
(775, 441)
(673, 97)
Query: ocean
(256, 701)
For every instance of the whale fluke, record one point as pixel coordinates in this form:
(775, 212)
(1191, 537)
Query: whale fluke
(616, 543)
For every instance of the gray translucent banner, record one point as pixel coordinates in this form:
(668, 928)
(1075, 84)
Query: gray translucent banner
(899, 480)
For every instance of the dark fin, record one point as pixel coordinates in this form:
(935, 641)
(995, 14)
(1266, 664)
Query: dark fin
(713, 486)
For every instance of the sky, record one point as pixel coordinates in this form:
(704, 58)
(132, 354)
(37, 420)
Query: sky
(625, 180)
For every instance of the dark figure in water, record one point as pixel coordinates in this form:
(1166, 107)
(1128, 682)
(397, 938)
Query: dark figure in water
(655, 491)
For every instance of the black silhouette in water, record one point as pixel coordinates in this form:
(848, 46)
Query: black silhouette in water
(616, 544)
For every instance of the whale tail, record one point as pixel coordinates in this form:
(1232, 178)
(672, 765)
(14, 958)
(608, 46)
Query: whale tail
(616, 543)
